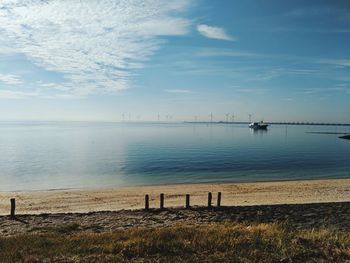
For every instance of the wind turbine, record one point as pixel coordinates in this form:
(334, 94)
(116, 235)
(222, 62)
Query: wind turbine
(227, 115)
(211, 117)
(250, 117)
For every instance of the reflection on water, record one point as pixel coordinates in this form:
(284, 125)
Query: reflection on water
(260, 132)
(68, 155)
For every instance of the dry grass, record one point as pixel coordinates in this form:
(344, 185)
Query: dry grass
(208, 243)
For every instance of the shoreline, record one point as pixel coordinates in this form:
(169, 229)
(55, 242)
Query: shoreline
(132, 197)
(101, 188)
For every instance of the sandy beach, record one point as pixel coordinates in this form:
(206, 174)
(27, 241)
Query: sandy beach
(233, 194)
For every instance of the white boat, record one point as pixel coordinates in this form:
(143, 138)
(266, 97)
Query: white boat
(258, 125)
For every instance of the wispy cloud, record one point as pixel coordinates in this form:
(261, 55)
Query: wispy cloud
(222, 52)
(10, 79)
(340, 88)
(214, 32)
(178, 91)
(95, 44)
(321, 11)
(11, 94)
(312, 29)
(256, 91)
(336, 62)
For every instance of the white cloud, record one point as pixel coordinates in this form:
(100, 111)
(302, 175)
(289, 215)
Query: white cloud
(96, 44)
(10, 79)
(213, 32)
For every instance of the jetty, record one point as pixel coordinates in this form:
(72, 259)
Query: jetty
(272, 123)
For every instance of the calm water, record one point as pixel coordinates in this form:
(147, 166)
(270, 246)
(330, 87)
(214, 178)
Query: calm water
(76, 155)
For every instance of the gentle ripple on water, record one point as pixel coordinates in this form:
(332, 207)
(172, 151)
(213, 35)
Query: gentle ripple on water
(69, 155)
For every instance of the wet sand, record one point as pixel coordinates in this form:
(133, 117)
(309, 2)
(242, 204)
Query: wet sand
(233, 194)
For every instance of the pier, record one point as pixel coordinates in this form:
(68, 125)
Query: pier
(272, 123)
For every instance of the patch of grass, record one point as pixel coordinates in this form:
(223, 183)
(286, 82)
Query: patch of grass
(209, 243)
(68, 228)
(63, 229)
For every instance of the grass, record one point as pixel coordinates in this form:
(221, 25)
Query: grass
(209, 243)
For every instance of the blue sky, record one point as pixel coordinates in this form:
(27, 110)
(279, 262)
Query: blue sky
(98, 60)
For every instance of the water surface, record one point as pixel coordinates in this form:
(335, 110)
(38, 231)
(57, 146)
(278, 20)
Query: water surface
(36, 156)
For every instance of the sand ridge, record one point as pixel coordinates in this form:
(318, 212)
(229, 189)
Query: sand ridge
(300, 216)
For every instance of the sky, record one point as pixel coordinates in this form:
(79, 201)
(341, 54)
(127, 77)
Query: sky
(107, 60)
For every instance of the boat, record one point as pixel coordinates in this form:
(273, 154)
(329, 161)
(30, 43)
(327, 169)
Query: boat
(258, 125)
(347, 137)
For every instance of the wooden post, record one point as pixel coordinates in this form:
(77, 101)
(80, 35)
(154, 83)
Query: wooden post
(187, 201)
(146, 202)
(13, 207)
(161, 201)
(219, 199)
(209, 199)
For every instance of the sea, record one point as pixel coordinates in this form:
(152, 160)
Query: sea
(79, 155)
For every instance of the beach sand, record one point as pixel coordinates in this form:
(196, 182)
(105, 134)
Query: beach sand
(233, 194)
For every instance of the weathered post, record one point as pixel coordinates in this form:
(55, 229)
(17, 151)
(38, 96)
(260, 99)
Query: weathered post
(209, 199)
(187, 201)
(219, 199)
(13, 207)
(146, 202)
(161, 201)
